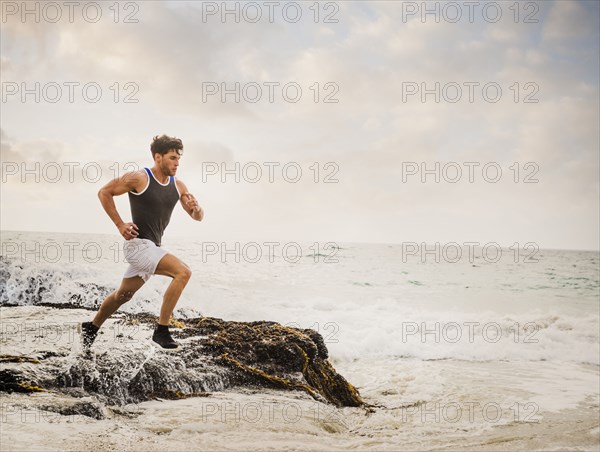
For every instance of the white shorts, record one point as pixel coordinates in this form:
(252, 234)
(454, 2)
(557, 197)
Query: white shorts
(143, 257)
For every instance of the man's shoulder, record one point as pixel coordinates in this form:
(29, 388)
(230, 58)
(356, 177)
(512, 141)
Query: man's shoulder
(136, 179)
(139, 174)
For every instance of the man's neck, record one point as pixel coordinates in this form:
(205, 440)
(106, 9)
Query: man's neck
(158, 174)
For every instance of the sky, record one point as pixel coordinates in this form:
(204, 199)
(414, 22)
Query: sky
(349, 121)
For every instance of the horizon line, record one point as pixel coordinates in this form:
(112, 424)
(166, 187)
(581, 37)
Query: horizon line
(307, 240)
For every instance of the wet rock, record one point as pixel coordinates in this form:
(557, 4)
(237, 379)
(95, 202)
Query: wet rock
(215, 355)
(89, 408)
(15, 380)
(272, 355)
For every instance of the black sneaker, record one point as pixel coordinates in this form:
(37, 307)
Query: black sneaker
(163, 338)
(88, 332)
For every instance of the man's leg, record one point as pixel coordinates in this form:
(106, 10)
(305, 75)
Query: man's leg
(115, 300)
(171, 266)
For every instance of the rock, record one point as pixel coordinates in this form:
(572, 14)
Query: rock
(15, 380)
(215, 355)
(89, 408)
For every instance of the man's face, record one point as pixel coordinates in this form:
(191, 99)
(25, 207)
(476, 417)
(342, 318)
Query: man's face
(169, 162)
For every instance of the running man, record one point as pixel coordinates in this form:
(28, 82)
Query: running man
(153, 193)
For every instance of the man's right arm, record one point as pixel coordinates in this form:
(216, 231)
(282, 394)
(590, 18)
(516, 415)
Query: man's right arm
(116, 187)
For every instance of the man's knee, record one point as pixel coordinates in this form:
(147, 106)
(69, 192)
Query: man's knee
(184, 273)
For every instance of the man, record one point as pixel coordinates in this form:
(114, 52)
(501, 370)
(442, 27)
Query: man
(153, 193)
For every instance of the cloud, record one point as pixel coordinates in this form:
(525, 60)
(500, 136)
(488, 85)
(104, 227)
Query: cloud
(569, 22)
(6, 149)
(41, 151)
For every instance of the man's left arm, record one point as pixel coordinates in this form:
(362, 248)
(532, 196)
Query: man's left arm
(189, 202)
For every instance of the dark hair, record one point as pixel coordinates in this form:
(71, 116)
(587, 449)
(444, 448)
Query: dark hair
(164, 143)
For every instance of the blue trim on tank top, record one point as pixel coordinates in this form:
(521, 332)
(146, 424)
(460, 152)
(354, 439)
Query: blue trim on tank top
(171, 178)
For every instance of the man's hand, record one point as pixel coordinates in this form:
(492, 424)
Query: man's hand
(191, 202)
(128, 230)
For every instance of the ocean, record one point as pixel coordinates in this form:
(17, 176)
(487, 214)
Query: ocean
(456, 346)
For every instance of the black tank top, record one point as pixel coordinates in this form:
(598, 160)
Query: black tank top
(151, 208)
